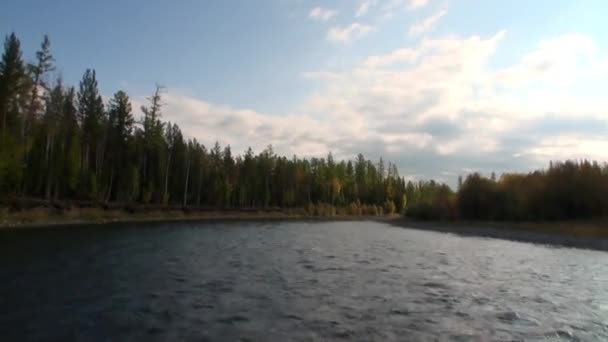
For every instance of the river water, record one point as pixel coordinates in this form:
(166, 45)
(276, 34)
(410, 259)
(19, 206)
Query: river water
(301, 281)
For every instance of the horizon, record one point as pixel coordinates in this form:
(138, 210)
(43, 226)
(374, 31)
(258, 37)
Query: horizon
(415, 82)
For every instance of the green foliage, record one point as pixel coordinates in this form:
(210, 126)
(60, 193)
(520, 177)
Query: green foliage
(477, 198)
(10, 165)
(92, 126)
(13, 87)
(430, 200)
(13, 94)
(389, 207)
(118, 172)
(564, 191)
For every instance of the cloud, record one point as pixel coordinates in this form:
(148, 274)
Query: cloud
(436, 109)
(566, 146)
(560, 60)
(364, 7)
(426, 25)
(415, 4)
(322, 14)
(402, 55)
(390, 6)
(387, 7)
(439, 109)
(243, 128)
(346, 35)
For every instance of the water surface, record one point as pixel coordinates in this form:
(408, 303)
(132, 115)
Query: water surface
(303, 281)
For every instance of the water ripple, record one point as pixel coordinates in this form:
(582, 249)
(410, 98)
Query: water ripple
(360, 281)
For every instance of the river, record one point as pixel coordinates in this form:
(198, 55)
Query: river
(300, 281)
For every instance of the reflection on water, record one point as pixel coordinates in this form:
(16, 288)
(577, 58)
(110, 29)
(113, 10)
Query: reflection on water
(294, 281)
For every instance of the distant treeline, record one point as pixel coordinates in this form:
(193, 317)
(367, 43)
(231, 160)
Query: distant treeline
(61, 143)
(65, 143)
(565, 191)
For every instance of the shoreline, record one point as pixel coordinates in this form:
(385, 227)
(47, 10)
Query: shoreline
(42, 218)
(576, 234)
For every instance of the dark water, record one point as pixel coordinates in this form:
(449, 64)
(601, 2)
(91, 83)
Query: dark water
(294, 281)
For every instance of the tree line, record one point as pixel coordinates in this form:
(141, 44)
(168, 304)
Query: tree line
(571, 190)
(61, 142)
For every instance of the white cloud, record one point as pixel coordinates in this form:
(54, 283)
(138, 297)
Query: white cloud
(322, 14)
(364, 7)
(349, 33)
(390, 6)
(415, 4)
(464, 114)
(560, 60)
(402, 55)
(243, 128)
(437, 109)
(426, 25)
(566, 146)
(387, 8)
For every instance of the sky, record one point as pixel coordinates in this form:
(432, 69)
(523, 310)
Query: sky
(441, 88)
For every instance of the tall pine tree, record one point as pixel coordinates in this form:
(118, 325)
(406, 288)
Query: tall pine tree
(92, 121)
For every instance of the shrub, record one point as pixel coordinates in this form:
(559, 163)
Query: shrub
(389, 207)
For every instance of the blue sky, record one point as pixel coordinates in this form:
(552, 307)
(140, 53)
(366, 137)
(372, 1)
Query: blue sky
(292, 73)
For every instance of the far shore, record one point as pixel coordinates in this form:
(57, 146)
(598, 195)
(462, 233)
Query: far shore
(578, 234)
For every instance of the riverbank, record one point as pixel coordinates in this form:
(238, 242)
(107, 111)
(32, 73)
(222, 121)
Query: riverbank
(48, 216)
(576, 234)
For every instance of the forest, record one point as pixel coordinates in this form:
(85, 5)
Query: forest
(571, 190)
(65, 143)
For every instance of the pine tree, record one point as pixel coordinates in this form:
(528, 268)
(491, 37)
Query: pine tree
(13, 84)
(152, 148)
(37, 71)
(43, 65)
(92, 121)
(52, 117)
(118, 156)
(70, 156)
